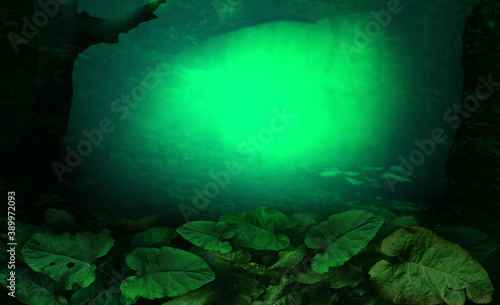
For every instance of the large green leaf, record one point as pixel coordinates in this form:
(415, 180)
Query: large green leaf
(257, 228)
(336, 277)
(24, 231)
(105, 290)
(154, 237)
(66, 258)
(208, 234)
(33, 288)
(341, 237)
(164, 272)
(433, 270)
(285, 293)
(476, 242)
(289, 260)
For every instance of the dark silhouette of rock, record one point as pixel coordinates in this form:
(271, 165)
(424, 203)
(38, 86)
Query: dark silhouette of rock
(59, 43)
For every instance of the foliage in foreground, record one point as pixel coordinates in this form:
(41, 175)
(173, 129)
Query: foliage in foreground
(258, 257)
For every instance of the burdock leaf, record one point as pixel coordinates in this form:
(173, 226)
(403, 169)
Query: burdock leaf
(289, 259)
(208, 235)
(66, 258)
(285, 293)
(336, 277)
(24, 231)
(433, 270)
(164, 272)
(341, 237)
(257, 228)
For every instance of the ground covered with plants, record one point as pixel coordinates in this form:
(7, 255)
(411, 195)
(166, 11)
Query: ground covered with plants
(257, 257)
(369, 255)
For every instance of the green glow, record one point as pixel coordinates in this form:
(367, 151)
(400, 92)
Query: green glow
(225, 91)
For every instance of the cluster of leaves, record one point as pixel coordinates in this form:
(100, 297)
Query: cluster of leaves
(257, 257)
